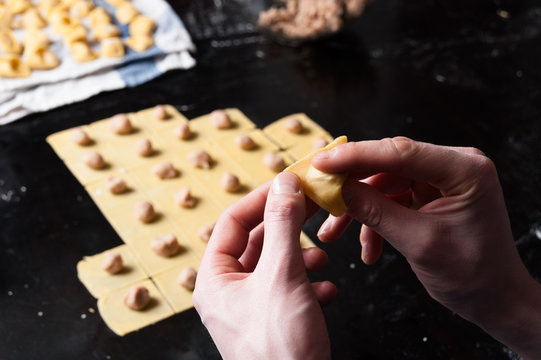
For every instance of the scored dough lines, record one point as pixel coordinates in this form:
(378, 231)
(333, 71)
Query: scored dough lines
(168, 237)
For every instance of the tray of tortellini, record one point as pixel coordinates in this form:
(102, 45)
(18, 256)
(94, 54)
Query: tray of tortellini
(34, 35)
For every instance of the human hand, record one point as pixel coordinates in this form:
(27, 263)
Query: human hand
(252, 292)
(443, 209)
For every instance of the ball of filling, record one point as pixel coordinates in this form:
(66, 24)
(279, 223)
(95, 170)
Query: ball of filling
(187, 278)
(79, 136)
(143, 147)
(160, 112)
(182, 131)
(144, 211)
(205, 232)
(137, 297)
(200, 159)
(116, 185)
(245, 142)
(319, 143)
(220, 119)
(94, 160)
(112, 262)
(293, 125)
(165, 171)
(184, 198)
(274, 162)
(229, 182)
(165, 245)
(120, 124)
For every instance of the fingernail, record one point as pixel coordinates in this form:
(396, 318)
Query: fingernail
(324, 155)
(324, 228)
(286, 183)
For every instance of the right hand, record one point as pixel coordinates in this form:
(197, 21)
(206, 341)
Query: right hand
(444, 210)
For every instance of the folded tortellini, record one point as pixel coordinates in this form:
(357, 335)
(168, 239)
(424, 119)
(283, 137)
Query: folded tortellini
(324, 189)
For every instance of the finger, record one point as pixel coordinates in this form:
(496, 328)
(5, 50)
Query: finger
(386, 217)
(284, 217)
(442, 167)
(372, 245)
(314, 258)
(230, 235)
(251, 254)
(325, 292)
(333, 228)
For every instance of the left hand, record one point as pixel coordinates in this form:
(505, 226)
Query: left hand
(252, 291)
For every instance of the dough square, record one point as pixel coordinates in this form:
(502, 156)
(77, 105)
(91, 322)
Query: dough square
(153, 263)
(99, 282)
(178, 297)
(122, 320)
(203, 124)
(67, 149)
(108, 201)
(278, 133)
(146, 119)
(123, 220)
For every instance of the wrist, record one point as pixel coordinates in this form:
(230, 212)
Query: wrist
(516, 321)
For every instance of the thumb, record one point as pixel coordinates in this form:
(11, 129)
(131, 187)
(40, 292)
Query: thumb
(396, 223)
(283, 219)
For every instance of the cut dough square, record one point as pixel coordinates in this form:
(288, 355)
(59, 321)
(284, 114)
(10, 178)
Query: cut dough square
(240, 122)
(108, 201)
(122, 320)
(325, 189)
(178, 297)
(278, 132)
(147, 120)
(66, 148)
(153, 263)
(101, 130)
(99, 282)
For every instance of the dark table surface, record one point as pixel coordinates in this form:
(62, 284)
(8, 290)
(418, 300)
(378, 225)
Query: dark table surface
(449, 72)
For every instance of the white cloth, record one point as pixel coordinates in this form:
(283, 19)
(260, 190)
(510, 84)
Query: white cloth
(73, 81)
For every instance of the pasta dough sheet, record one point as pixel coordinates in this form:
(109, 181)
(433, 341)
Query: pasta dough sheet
(286, 140)
(142, 265)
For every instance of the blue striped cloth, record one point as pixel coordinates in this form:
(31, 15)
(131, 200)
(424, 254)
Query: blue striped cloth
(73, 81)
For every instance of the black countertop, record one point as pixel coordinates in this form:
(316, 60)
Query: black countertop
(450, 72)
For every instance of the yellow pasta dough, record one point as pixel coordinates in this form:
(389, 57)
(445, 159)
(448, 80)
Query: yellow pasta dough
(140, 43)
(286, 139)
(81, 52)
(5, 16)
(33, 20)
(325, 189)
(105, 30)
(12, 67)
(41, 58)
(112, 47)
(125, 12)
(125, 165)
(142, 25)
(18, 6)
(8, 43)
(123, 320)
